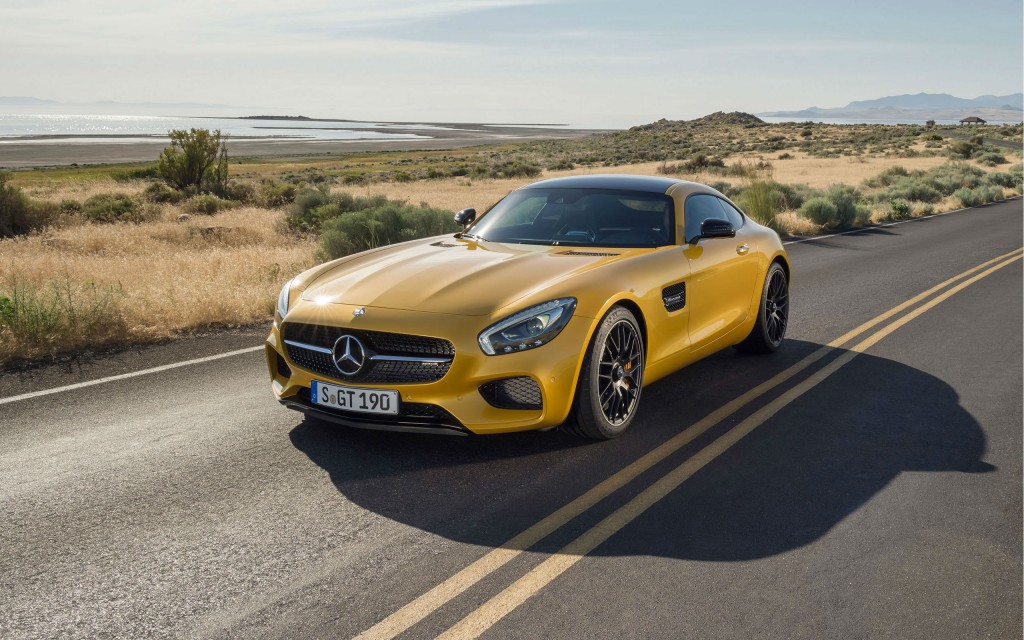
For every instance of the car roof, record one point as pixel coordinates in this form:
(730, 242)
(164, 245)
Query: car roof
(651, 184)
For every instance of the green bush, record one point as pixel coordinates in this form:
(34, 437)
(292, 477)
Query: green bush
(113, 207)
(991, 158)
(206, 204)
(1004, 179)
(270, 194)
(899, 209)
(561, 165)
(951, 176)
(978, 195)
(967, 197)
(725, 188)
(138, 173)
(314, 206)
(161, 193)
(381, 225)
(196, 158)
(820, 211)
(962, 149)
(863, 217)
(845, 199)
(19, 214)
(512, 169)
(887, 177)
(794, 195)
(70, 205)
(912, 189)
(762, 200)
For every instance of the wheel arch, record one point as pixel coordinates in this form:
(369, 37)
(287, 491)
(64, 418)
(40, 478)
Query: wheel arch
(633, 306)
(783, 260)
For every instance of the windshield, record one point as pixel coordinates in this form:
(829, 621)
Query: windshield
(580, 218)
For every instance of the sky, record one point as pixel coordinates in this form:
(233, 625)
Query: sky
(605, 63)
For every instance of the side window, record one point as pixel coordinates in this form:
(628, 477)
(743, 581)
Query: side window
(733, 215)
(699, 208)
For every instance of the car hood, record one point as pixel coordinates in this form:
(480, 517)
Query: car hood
(454, 276)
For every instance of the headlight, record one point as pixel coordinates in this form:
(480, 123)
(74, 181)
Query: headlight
(528, 329)
(282, 300)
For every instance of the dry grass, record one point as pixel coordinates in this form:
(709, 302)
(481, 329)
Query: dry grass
(81, 189)
(162, 277)
(792, 224)
(820, 173)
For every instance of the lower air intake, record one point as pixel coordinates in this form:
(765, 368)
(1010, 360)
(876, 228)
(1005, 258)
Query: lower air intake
(512, 393)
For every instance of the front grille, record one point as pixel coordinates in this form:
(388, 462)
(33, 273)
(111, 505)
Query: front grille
(377, 343)
(512, 393)
(380, 341)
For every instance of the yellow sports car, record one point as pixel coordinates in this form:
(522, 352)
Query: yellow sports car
(554, 307)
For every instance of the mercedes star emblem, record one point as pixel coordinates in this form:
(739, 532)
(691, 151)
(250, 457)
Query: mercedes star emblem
(349, 355)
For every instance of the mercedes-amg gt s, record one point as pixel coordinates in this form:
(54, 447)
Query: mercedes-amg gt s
(554, 307)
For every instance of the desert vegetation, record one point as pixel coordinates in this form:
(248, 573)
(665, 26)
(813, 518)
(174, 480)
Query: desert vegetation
(101, 255)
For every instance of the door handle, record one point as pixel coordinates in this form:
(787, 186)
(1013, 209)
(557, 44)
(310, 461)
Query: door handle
(743, 249)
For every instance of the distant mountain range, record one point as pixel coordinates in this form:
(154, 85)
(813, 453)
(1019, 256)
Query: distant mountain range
(918, 106)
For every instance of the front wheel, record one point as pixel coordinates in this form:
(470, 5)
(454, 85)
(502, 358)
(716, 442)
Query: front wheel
(608, 391)
(772, 314)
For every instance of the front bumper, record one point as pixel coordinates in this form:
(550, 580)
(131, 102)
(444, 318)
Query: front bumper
(461, 407)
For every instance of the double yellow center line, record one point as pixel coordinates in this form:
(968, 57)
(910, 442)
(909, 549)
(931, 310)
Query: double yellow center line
(500, 605)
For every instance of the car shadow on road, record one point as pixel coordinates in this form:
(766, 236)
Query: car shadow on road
(781, 487)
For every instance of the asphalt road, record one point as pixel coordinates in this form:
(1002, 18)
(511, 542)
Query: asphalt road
(883, 500)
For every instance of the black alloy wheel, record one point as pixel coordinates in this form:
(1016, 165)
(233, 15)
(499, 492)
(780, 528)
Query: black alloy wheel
(608, 391)
(772, 315)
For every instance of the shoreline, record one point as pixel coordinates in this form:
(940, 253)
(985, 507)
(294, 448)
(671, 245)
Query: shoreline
(61, 150)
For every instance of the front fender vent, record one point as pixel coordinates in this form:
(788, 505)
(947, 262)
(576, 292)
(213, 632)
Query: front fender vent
(674, 296)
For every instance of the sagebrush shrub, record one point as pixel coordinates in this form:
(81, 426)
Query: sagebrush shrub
(206, 204)
(19, 214)
(913, 189)
(113, 207)
(819, 210)
(381, 225)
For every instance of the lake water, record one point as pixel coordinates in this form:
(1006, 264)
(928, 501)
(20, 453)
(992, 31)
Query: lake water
(68, 128)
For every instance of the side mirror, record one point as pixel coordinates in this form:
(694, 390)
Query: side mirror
(716, 228)
(465, 217)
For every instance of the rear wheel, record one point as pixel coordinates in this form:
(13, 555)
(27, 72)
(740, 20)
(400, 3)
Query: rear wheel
(608, 391)
(772, 314)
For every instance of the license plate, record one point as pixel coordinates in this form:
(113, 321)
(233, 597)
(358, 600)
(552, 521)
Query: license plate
(354, 399)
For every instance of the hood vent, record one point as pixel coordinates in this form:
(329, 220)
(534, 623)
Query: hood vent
(442, 243)
(594, 254)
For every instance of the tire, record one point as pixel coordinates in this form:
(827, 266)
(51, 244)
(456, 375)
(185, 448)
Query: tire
(608, 390)
(772, 314)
